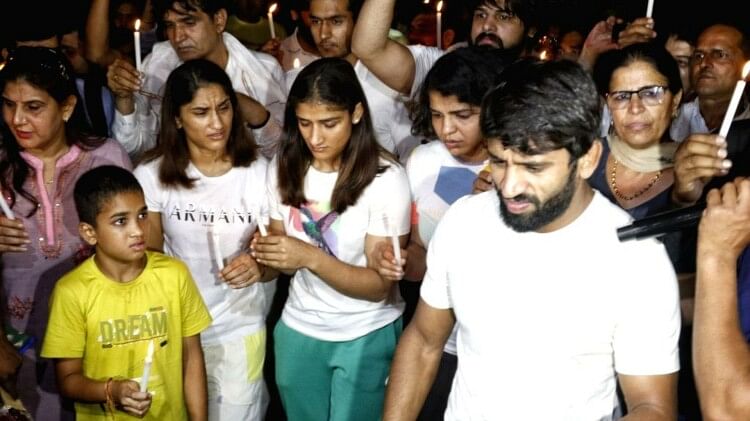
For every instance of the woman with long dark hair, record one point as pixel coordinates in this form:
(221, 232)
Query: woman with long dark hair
(44, 149)
(336, 197)
(205, 187)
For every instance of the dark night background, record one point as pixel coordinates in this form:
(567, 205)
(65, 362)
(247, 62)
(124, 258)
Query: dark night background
(689, 15)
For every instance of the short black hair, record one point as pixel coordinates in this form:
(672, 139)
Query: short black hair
(467, 73)
(209, 7)
(526, 10)
(543, 106)
(96, 186)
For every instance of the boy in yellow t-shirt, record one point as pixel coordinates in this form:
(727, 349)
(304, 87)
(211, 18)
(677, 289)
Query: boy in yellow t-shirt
(105, 313)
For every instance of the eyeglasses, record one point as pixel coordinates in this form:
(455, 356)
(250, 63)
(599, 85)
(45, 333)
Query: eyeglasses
(649, 96)
(716, 55)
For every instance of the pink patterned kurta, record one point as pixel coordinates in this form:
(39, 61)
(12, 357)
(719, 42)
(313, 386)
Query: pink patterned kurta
(28, 278)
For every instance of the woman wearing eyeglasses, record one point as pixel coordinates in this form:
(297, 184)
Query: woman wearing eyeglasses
(642, 87)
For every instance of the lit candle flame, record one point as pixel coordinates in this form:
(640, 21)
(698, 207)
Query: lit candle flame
(272, 8)
(296, 63)
(137, 24)
(439, 7)
(746, 70)
(426, 2)
(543, 56)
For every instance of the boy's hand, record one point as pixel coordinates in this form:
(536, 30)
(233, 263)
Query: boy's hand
(127, 395)
(13, 236)
(242, 271)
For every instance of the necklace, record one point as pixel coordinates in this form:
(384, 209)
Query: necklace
(613, 184)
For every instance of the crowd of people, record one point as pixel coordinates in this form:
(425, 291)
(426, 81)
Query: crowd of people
(320, 218)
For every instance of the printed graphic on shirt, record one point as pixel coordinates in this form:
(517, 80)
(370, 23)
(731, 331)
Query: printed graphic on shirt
(133, 328)
(319, 223)
(207, 215)
(453, 183)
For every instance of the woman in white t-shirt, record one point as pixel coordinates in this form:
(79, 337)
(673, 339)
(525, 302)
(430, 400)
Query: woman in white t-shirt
(335, 198)
(442, 171)
(205, 187)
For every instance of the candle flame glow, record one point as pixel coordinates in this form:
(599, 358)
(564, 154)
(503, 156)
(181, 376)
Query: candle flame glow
(426, 2)
(137, 24)
(439, 7)
(543, 56)
(272, 8)
(296, 63)
(746, 70)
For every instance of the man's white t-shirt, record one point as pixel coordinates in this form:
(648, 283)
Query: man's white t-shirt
(314, 308)
(424, 58)
(545, 321)
(227, 205)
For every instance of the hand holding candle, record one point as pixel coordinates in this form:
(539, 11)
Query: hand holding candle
(147, 366)
(439, 17)
(6, 208)
(739, 88)
(137, 43)
(394, 239)
(270, 19)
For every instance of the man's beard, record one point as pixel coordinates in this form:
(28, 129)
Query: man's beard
(544, 213)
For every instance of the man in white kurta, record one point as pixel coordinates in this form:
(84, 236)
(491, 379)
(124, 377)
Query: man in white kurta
(197, 34)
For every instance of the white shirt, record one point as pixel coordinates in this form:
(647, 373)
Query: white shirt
(545, 321)
(314, 308)
(291, 50)
(689, 121)
(254, 74)
(227, 205)
(424, 58)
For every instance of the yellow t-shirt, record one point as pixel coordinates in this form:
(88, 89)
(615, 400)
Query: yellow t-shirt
(109, 325)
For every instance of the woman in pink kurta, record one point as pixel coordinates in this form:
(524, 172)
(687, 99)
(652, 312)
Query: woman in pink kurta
(42, 153)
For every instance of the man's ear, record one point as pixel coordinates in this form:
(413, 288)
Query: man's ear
(220, 20)
(88, 233)
(590, 160)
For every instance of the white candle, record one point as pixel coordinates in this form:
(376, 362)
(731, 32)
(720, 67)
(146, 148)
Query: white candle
(137, 43)
(262, 223)
(147, 366)
(439, 17)
(739, 88)
(6, 208)
(394, 239)
(650, 9)
(270, 20)
(217, 250)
